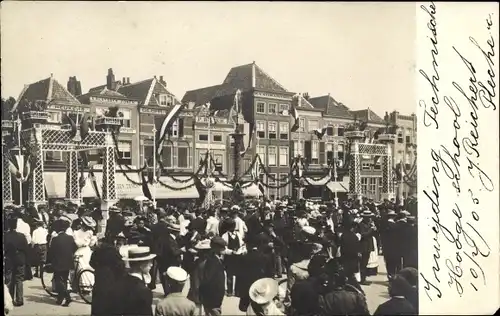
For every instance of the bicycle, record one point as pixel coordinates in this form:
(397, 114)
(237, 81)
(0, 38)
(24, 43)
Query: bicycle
(76, 281)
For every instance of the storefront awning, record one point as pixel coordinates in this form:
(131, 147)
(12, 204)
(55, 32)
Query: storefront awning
(338, 186)
(251, 190)
(55, 183)
(183, 190)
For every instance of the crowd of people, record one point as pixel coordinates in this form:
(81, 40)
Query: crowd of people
(323, 251)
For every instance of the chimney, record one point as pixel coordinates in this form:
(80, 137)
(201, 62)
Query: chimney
(78, 88)
(306, 95)
(163, 81)
(110, 80)
(368, 114)
(74, 87)
(128, 80)
(124, 81)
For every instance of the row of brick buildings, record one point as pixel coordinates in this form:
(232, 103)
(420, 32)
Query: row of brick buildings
(144, 104)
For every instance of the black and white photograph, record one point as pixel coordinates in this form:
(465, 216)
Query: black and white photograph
(241, 158)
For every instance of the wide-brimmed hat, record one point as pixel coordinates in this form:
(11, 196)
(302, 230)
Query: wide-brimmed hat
(203, 245)
(88, 221)
(366, 213)
(174, 227)
(309, 230)
(66, 218)
(404, 213)
(140, 253)
(121, 235)
(217, 242)
(177, 274)
(263, 290)
(391, 213)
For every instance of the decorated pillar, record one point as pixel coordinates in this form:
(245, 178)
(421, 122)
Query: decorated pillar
(72, 178)
(354, 138)
(387, 175)
(236, 156)
(7, 129)
(33, 137)
(109, 195)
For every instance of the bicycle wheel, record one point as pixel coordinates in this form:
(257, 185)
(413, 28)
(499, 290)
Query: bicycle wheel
(46, 275)
(85, 282)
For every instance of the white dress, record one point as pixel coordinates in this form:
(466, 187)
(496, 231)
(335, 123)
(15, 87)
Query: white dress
(84, 240)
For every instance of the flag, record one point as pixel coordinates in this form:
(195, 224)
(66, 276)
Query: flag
(296, 102)
(320, 132)
(84, 126)
(166, 125)
(145, 187)
(248, 130)
(72, 124)
(19, 167)
(93, 181)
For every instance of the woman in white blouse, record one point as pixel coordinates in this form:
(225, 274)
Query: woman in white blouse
(84, 239)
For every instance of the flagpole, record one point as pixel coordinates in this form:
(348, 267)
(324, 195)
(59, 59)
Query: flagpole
(20, 154)
(154, 167)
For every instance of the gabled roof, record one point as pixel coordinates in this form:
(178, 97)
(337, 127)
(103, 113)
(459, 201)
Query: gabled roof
(104, 92)
(368, 116)
(245, 78)
(146, 91)
(48, 90)
(331, 107)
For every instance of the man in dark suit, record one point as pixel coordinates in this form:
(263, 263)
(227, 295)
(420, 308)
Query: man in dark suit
(61, 255)
(115, 223)
(212, 285)
(16, 249)
(168, 253)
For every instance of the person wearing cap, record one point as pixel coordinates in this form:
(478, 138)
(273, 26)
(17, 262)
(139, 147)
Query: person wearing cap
(262, 294)
(212, 285)
(136, 297)
(60, 254)
(15, 252)
(411, 276)
(202, 249)
(39, 244)
(176, 304)
(84, 239)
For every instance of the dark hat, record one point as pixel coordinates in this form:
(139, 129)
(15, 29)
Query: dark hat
(217, 242)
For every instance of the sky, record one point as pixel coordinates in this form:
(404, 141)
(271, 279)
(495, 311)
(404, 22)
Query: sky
(360, 53)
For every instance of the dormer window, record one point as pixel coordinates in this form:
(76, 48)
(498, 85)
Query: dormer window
(163, 100)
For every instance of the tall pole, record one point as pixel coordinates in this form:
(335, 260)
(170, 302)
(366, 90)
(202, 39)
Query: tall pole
(335, 177)
(154, 167)
(20, 153)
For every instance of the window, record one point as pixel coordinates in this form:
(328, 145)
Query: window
(284, 156)
(298, 148)
(400, 137)
(314, 152)
(329, 152)
(53, 156)
(261, 129)
(261, 151)
(329, 131)
(203, 137)
(126, 118)
(272, 108)
(313, 124)
(284, 190)
(272, 178)
(164, 100)
(302, 124)
(125, 152)
(219, 160)
(340, 131)
(408, 139)
(364, 185)
(175, 128)
(284, 129)
(373, 186)
(271, 128)
(284, 109)
(55, 117)
(365, 166)
(272, 192)
(217, 138)
(182, 160)
(261, 107)
(175, 159)
(271, 156)
(377, 165)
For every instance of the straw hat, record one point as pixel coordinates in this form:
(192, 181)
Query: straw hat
(309, 230)
(366, 213)
(140, 253)
(203, 245)
(263, 291)
(391, 213)
(88, 221)
(177, 274)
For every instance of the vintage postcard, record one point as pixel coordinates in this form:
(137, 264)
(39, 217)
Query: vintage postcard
(250, 158)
